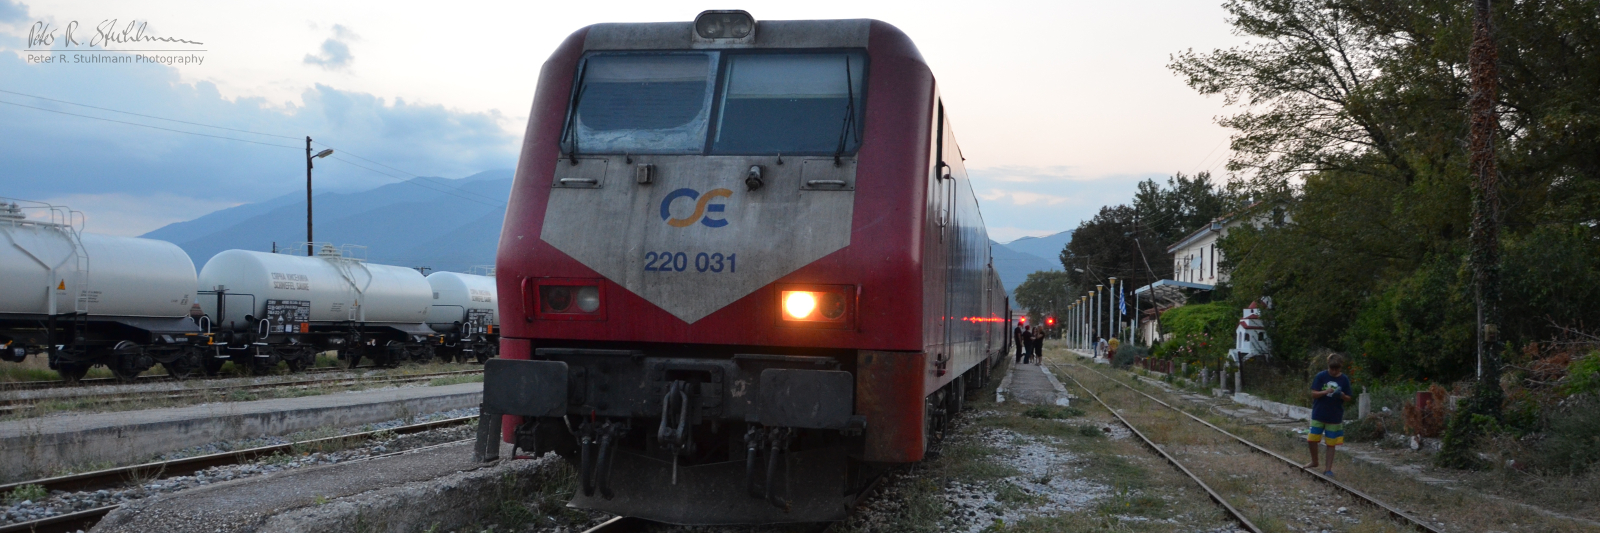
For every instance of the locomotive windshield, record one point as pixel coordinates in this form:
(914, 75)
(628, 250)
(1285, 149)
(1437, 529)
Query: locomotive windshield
(661, 103)
(790, 103)
(642, 104)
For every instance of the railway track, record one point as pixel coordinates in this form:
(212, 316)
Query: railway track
(12, 405)
(115, 477)
(159, 378)
(1235, 514)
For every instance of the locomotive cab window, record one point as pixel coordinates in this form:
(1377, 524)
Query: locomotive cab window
(791, 104)
(641, 103)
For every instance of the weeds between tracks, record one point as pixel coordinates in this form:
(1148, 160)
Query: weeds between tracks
(1459, 507)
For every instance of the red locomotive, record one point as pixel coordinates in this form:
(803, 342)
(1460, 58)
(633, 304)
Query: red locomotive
(742, 269)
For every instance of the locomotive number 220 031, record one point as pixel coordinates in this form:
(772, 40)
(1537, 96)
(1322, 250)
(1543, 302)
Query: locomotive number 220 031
(680, 262)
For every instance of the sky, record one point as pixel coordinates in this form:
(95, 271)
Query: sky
(1060, 107)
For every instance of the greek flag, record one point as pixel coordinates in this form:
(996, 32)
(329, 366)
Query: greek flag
(1122, 304)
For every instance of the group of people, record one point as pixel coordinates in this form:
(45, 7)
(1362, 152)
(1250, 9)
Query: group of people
(1029, 341)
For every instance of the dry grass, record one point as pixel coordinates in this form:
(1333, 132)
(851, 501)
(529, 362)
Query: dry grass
(1464, 506)
(161, 399)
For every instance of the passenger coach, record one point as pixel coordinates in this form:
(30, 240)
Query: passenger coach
(742, 269)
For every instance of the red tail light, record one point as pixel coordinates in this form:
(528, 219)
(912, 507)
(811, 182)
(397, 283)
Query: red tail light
(567, 299)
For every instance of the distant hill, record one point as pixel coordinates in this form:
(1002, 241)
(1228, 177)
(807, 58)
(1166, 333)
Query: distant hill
(1014, 266)
(1047, 247)
(444, 224)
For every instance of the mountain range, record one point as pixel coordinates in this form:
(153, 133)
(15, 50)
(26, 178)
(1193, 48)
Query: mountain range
(439, 223)
(444, 224)
(1016, 259)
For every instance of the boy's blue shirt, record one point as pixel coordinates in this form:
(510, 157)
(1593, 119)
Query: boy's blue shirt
(1329, 409)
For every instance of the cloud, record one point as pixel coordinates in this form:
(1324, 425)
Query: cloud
(1019, 201)
(1023, 197)
(13, 12)
(335, 53)
(117, 169)
(132, 215)
(335, 56)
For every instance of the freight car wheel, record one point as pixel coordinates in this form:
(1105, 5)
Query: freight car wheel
(184, 366)
(127, 361)
(72, 372)
(486, 352)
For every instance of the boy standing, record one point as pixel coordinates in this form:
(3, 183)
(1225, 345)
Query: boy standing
(1329, 390)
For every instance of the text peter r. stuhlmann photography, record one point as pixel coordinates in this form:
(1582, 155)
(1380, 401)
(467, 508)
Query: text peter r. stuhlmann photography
(109, 42)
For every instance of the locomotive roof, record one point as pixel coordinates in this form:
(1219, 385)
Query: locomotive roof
(843, 33)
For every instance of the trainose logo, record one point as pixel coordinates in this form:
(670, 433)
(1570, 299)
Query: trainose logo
(702, 208)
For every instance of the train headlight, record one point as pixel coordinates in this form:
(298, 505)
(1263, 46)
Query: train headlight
(565, 299)
(724, 24)
(588, 299)
(823, 306)
(798, 305)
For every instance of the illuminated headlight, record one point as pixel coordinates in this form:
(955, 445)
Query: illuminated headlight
(798, 305)
(731, 24)
(825, 305)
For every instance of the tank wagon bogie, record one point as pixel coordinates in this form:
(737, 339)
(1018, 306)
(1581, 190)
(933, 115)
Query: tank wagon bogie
(743, 268)
(465, 315)
(84, 299)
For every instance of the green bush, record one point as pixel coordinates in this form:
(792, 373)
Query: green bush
(1583, 375)
(1371, 428)
(1126, 355)
(1572, 444)
(1419, 327)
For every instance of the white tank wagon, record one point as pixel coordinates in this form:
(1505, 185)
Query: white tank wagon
(465, 312)
(122, 302)
(271, 307)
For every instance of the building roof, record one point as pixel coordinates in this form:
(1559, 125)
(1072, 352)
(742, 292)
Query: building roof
(1215, 226)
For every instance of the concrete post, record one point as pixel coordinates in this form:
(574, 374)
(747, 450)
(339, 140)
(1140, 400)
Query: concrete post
(1238, 381)
(1205, 380)
(1365, 404)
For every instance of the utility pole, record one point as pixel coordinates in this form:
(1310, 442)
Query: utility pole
(310, 248)
(1485, 258)
(1487, 397)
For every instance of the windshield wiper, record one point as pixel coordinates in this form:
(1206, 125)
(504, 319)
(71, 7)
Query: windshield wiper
(571, 128)
(849, 125)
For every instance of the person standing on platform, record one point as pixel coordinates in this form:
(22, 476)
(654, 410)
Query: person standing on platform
(1038, 346)
(1016, 339)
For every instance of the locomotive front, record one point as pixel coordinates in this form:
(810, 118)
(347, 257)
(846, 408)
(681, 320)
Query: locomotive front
(712, 271)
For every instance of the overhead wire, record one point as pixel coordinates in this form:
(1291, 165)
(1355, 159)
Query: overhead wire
(338, 150)
(414, 179)
(145, 116)
(147, 125)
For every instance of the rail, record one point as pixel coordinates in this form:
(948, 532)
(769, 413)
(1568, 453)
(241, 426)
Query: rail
(1357, 493)
(164, 469)
(11, 405)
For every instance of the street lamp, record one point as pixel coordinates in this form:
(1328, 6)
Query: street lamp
(310, 248)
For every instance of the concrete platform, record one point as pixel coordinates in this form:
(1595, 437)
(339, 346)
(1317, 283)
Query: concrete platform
(439, 488)
(37, 446)
(1033, 384)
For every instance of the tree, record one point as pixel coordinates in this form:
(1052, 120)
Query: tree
(1046, 293)
(1355, 115)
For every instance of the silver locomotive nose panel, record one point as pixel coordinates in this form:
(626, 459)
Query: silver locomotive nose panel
(697, 237)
